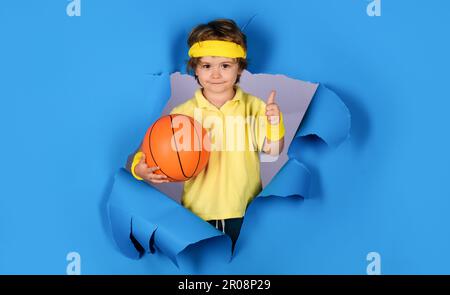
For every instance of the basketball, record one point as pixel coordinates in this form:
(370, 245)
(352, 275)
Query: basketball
(178, 145)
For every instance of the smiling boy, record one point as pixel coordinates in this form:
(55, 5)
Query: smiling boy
(221, 193)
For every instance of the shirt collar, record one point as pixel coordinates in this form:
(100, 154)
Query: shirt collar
(202, 102)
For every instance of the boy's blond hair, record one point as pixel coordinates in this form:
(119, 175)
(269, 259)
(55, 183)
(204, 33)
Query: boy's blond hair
(219, 29)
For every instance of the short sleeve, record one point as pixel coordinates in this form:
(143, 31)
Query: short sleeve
(186, 108)
(174, 111)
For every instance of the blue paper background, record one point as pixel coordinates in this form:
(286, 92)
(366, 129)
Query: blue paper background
(77, 93)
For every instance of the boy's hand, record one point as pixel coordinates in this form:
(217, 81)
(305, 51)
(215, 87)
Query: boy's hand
(272, 109)
(142, 170)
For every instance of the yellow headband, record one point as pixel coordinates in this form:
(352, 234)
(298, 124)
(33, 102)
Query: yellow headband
(217, 48)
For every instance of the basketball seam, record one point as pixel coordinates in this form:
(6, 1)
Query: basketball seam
(201, 148)
(150, 148)
(178, 155)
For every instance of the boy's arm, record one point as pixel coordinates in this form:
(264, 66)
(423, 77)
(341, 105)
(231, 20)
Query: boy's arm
(132, 161)
(274, 131)
(274, 141)
(273, 148)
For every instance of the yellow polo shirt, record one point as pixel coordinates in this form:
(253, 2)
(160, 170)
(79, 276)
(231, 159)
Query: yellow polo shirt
(231, 178)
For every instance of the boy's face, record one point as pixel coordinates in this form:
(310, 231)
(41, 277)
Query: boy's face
(217, 74)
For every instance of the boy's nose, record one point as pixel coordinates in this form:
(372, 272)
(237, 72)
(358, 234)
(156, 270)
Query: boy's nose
(216, 73)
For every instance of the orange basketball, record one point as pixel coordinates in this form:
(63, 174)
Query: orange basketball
(178, 145)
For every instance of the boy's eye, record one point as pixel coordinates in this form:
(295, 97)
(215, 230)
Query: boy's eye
(205, 66)
(225, 66)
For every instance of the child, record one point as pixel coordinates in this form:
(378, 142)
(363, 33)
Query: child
(221, 193)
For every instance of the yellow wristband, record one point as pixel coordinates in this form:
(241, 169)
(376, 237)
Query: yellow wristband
(275, 132)
(137, 158)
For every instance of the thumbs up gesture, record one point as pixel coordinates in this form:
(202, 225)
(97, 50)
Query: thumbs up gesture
(272, 109)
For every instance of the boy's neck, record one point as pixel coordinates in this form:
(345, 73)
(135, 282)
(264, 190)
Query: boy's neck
(219, 99)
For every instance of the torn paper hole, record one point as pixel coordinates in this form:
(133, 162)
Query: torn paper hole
(147, 218)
